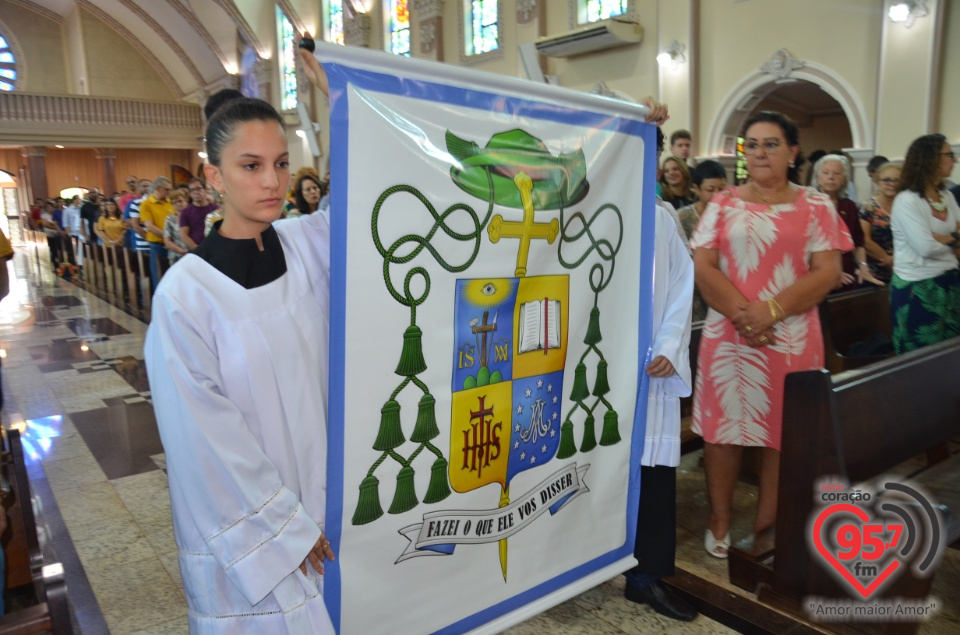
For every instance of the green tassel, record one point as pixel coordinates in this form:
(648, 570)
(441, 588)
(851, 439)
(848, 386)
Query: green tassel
(405, 498)
(601, 386)
(439, 488)
(611, 433)
(593, 328)
(368, 507)
(580, 390)
(426, 427)
(589, 435)
(567, 446)
(411, 358)
(391, 434)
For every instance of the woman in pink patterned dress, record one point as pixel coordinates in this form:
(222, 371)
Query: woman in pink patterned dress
(766, 253)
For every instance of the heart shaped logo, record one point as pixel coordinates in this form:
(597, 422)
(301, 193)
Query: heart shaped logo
(851, 538)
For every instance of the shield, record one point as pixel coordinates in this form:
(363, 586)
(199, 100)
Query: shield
(508, 359)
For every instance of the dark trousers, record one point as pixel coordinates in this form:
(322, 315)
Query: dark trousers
(656, 544)
(56, 250)
(67, 253)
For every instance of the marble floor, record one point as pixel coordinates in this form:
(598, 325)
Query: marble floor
(75, 385)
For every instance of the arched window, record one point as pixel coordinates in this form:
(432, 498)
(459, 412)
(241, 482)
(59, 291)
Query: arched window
(8, 66)
(333, 21)
(398, 27)
(288, 62)
(482, 25)
(595, 10)
(586, 11)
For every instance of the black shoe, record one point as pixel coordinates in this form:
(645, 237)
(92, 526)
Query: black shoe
(663, 600)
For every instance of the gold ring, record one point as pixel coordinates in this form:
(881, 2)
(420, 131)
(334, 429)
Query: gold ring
(763, 339)
(748, 329)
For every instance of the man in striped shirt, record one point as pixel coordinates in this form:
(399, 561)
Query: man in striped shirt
(136, 237)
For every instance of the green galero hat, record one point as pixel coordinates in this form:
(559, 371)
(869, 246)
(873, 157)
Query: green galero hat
(557, 181)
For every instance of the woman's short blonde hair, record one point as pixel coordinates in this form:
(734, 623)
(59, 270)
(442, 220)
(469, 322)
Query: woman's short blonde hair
(178, 194)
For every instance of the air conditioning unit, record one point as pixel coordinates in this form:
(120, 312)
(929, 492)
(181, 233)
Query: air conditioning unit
(596, 37)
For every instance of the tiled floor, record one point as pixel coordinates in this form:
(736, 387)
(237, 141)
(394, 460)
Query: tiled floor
(75, 383)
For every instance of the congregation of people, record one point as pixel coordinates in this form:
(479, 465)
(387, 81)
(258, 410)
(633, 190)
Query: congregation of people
(767, 251)
(151, 216)
(763, 253)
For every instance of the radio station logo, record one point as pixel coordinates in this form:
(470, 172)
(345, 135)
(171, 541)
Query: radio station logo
(867, 539)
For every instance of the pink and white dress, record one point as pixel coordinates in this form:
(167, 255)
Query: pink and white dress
(738, 391)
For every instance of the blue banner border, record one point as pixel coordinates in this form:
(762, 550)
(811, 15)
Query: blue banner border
(340, 76)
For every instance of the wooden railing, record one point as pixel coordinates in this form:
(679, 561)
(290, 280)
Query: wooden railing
(79, 110)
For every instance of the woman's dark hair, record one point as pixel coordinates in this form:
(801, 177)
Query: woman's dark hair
(921, 168)
(218, 99)
(708, 169)
(875, 163)
(109, 201)
(791, 134)
(302, 205)
(221, 125)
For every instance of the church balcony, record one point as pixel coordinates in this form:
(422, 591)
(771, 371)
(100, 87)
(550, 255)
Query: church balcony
(28, 119)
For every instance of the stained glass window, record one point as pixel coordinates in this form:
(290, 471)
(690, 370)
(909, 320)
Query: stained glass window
(741, 171)
(333, 21)
(398, 26)
(483, 26)
(595, 10)
(288, 62)
(8, 66)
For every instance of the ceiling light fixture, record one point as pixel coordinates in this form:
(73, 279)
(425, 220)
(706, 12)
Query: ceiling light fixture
(907, 12)
(672, 55)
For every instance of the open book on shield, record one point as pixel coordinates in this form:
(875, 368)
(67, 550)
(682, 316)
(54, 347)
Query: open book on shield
(539, 325)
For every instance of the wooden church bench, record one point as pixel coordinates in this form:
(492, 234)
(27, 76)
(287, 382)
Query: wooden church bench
(860, 424)
(45, 589)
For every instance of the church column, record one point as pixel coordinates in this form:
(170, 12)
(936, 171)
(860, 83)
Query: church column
(427, 40)
(678, 24)
(106, 169)
(907, 91)
(357, 30)
(36, 157)
(531, 25)
(858, 167)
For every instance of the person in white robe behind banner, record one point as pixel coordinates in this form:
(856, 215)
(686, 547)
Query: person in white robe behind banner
(237, 354)
(669, 377)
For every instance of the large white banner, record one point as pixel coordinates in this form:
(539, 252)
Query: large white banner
(491, 307)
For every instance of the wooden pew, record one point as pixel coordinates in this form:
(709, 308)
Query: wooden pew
(860, 424)
(137, 278)
(852, 317)
(146, 286)
(44, 585)
(113, 267)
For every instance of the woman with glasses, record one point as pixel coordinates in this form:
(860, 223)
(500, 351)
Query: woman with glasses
(925, 287)
(765, 254)
(875, 221)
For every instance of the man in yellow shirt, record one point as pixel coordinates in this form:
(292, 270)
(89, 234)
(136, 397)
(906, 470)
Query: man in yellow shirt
(153, 214)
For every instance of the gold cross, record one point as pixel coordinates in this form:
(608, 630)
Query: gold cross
(525, 230)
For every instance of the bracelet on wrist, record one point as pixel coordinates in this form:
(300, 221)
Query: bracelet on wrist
(776, 311)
